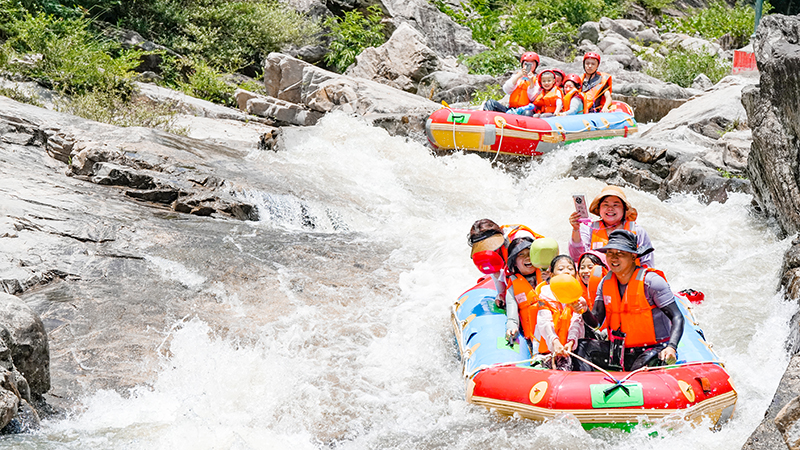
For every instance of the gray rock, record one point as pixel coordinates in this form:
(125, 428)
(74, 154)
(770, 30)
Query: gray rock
(766, 436)
(616, 27)
(294, 81)
(610, 39)
(453, 87)
(702, 82)
(589, 31)
(774, 116)
(786, 422)
(649, 36)
(28, 346)
(401, 62)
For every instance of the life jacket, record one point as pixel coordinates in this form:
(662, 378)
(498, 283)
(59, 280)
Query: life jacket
(528, 308)
(593, 89)
(600, 235)
(547, 101)
(590, 290)
(519, 96)
(511, 231)
(562, 317)
(568, 97)
(631, 313)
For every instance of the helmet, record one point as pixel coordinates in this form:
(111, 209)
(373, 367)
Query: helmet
(543, 250)
(559, 72)
(566, 288)
(516, 247)
(529, 57)
(539, 77)
(592, 55)
(575, 78)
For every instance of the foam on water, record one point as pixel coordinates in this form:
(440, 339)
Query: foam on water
(380, 370)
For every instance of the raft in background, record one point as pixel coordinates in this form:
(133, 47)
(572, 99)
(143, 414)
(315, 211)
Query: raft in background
(501, 378)
(512, 134)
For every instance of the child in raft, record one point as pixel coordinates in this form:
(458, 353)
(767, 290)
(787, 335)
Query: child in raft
(548, 101)
(527, 260)
(573, 97)
(558, 327)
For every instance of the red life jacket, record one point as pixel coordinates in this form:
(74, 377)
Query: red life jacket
(547, 101)
(631, 313)
(593, 93)
(519, 96)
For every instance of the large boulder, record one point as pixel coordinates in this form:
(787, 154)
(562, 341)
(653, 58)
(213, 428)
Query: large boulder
(27, 342)
(444, 36)
(453, 87)
(297, 82)
(401, 62)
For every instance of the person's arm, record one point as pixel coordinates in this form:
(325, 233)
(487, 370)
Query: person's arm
(660, 294)
(547, 330)
(643, 241)
(575, 106)
(500, 287)
(512, 314)
(606, 100)
(597, 315)
(511, 83)
(674, 314)
(559, 106)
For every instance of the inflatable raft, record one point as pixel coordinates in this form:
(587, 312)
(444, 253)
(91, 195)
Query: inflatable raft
(511, 134)
(501, 378)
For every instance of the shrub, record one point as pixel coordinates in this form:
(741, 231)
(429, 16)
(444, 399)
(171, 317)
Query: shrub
(496, 61)
(681, 66)
(74, 60)
(198, 79)
(492, 91)
(717, 20)
(352, 34)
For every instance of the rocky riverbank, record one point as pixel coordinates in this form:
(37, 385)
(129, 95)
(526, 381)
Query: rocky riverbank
(774, 114)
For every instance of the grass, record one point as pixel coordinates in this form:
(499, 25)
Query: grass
(717, 20)
(682, 66)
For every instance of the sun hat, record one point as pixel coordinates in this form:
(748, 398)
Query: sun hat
(615, 191)
(489, 242)
(625, 241)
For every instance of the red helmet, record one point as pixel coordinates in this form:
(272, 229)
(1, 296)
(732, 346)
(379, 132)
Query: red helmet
(592, 55)
(539, 77)
(559, 72)
(575, 78)
(529, 57)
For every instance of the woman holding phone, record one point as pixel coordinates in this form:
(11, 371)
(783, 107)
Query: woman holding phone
(616, 213)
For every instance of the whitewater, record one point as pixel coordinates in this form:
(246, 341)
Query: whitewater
(351, 347)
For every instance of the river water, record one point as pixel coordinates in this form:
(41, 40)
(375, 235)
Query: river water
(350, 346)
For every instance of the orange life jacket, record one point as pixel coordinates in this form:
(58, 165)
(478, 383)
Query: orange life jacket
(562, 316)
(519, 96)
(600, 235)
(631, 313)
(511, 231)
(568, 97)
(590, 291)
(529, 308)
(547, 101)
(593, 100)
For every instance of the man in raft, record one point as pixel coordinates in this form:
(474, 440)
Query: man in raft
(637, 308)
(595, 86)
(521, 87)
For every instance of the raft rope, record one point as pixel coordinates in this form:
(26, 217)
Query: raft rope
(500, 122)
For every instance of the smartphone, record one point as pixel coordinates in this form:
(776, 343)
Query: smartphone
(527, 67)
(580, 205)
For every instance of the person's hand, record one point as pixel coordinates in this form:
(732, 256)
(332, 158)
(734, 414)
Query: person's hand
(668, 355)
(605, 109)
(500, 301)
(579, 306)
(574, 220)
(511, 332)
(558, 348)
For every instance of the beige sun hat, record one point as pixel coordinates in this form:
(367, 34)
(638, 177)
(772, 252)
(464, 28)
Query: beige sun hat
(490, 243)
(615, 191)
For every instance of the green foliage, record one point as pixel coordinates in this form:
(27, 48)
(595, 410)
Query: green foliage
(654, 7)
(116, 108)
(352, 34)
(717, 20)
(20, 96)
(73, 59)
(496, 61)
(682, 66)
(492, 91)
(198, 79)
(725, 174)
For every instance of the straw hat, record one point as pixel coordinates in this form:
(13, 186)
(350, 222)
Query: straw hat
(616, 191)
(490, 243)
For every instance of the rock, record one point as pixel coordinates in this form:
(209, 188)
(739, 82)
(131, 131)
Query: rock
(589, 31)
(28, 343)
(766, 436)
(401, 62)
(453, 87)
(611, 39)
(734, 147)
(786, 422)
(773, 116)
(702, 82)
(444, 36)
(649, 36)
(616, 27)
(295, 81)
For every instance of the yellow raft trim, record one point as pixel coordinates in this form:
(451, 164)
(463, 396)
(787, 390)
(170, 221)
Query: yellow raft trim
(471, 137)
(711, 408)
